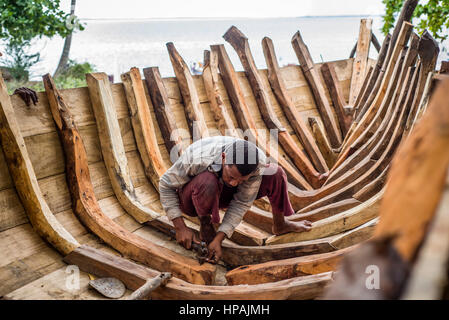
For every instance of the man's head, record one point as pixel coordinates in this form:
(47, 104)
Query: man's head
(239, 161)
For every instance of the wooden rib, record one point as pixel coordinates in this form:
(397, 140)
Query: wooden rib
(87, 209)
(386, 84)
(325, 211)
(429, 274)
(144, 131)
(374, 41)
(362, 91)
(25, 181)
(134, 276)
(355, 236)
(314, 81)
(375, 81)
(361, 59)
(336, 94)
(285, 269)
(244, 117)
(338, 223)
(240, 44)
(407, 208)
(211, 80)
(280, 90)
(405, 16)
(112, 147)
(163, 110)
(192, 107)
(325, 149)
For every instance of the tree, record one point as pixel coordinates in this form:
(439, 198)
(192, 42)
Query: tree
(24, 20)
(64, 60)
(432, 15)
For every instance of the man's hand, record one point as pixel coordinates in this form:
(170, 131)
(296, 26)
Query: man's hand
(184, 235)
(215, 250)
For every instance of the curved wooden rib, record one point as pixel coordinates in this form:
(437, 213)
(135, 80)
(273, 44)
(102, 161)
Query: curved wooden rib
(322, 143)
(192, 107)
(360, 126)
(336, 94)
(240, 44)
(112, 147)
(336, 224)
(143, 126)
(407, 207)
(285, 269)
(25, 181)
(325, 211)
(134, 276)
(244, 118)
(311, 74)
(362, 92)
(163, 110)
(361, 59)
(86, 207)
(280, 90)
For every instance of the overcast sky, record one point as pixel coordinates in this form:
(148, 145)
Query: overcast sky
(146, 9)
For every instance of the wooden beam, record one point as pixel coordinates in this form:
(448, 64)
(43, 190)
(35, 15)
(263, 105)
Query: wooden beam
(407, 208)
(314, 81)
(134, 276)
(325, 149)
(87, 209)
(112, 147)
(143, 127)
(336, 94)
(240, 44)
(211, 80)
(361, 59)
(246, 121)
(362, 91)
(325, 211)
(192, 107)
(285, 101)
(22, 173)
(285, 269)
(163, 110)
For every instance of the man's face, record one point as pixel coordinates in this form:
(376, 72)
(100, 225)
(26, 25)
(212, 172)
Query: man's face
(231, 175)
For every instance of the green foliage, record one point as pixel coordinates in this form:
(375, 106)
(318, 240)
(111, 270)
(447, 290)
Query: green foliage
(73, 77)
(21, 21)
(432, 15)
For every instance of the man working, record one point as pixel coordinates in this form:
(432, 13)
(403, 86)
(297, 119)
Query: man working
(223, 172)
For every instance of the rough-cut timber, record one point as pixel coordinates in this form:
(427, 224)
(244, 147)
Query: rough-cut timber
(195, 118)
(240, 44)
(143, 126)
(25, 182)
(325, 149)
(134, 276)
(87, 209)
(336, 93)
(285, 101)
(314, 81)
(163, 110)
(246, 121)
(361, 59)
(112, 147)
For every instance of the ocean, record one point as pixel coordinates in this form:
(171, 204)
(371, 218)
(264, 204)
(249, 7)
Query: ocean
(114, 46)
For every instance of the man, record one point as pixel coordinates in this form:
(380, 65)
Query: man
(218, 173)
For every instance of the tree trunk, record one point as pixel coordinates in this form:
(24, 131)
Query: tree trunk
(67, 43)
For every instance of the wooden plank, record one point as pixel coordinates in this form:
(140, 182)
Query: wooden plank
(325, 211)
(335, 224)
(331, 80)
(87, 209)
(311, 74)
(360, 62)
(355, 236)
(285, 269)
(240, 44)
(112, 147)
(143, 127)
(25, 182)
(407, 208)
(279, 87)
(163, 109)
(134, 276)
(195, 117)
(244, 117)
